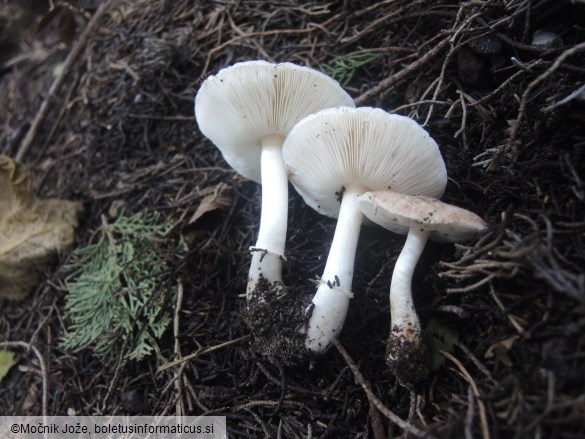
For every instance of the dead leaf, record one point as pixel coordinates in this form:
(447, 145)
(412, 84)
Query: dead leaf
(217, 199)
(32, 231)
(7, 360)
(500, 350)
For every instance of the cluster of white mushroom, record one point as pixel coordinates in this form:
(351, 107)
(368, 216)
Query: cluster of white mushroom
(279, 122)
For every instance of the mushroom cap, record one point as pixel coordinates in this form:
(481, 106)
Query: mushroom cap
(243, 103)
(399, 212)
(335, 148)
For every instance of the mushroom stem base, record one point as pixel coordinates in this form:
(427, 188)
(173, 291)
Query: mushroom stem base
(407, 360)
(278, 323)
(406, 354)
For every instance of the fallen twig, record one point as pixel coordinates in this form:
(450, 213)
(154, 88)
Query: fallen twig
(528, 91)
(398, 76)
(44, 374)
(180, 409)
(393, 417)
(485, 432)
(201, 352)
(59, 80)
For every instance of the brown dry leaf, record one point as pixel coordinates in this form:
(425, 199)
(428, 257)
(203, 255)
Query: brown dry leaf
(217, 199)
(500, 350)
(32, 231)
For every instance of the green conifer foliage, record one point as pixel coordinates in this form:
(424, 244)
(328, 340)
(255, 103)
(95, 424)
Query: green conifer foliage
(116, 291)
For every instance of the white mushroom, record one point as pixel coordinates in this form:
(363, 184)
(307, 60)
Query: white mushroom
(336, 155)
(246, 110)
(420, 217)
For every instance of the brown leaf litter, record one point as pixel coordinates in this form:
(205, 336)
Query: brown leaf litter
(32, 231)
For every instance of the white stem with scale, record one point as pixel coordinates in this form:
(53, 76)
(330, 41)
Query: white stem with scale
(331, 301)
(268, 253)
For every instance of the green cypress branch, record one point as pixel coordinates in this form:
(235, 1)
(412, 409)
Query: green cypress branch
(116, 287)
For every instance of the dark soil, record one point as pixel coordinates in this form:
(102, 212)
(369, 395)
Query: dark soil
(508, 116)
(277, 319)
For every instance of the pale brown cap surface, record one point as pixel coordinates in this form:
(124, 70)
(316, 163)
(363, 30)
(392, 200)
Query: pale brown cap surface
(399, 212)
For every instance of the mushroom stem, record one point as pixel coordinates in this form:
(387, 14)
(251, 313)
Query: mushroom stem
(402, 309)
(406, 354)
(268, 253)
(332, 298)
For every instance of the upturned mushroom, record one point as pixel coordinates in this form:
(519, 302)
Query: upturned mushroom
(332, 158)
(420, 218)
(246, 110)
